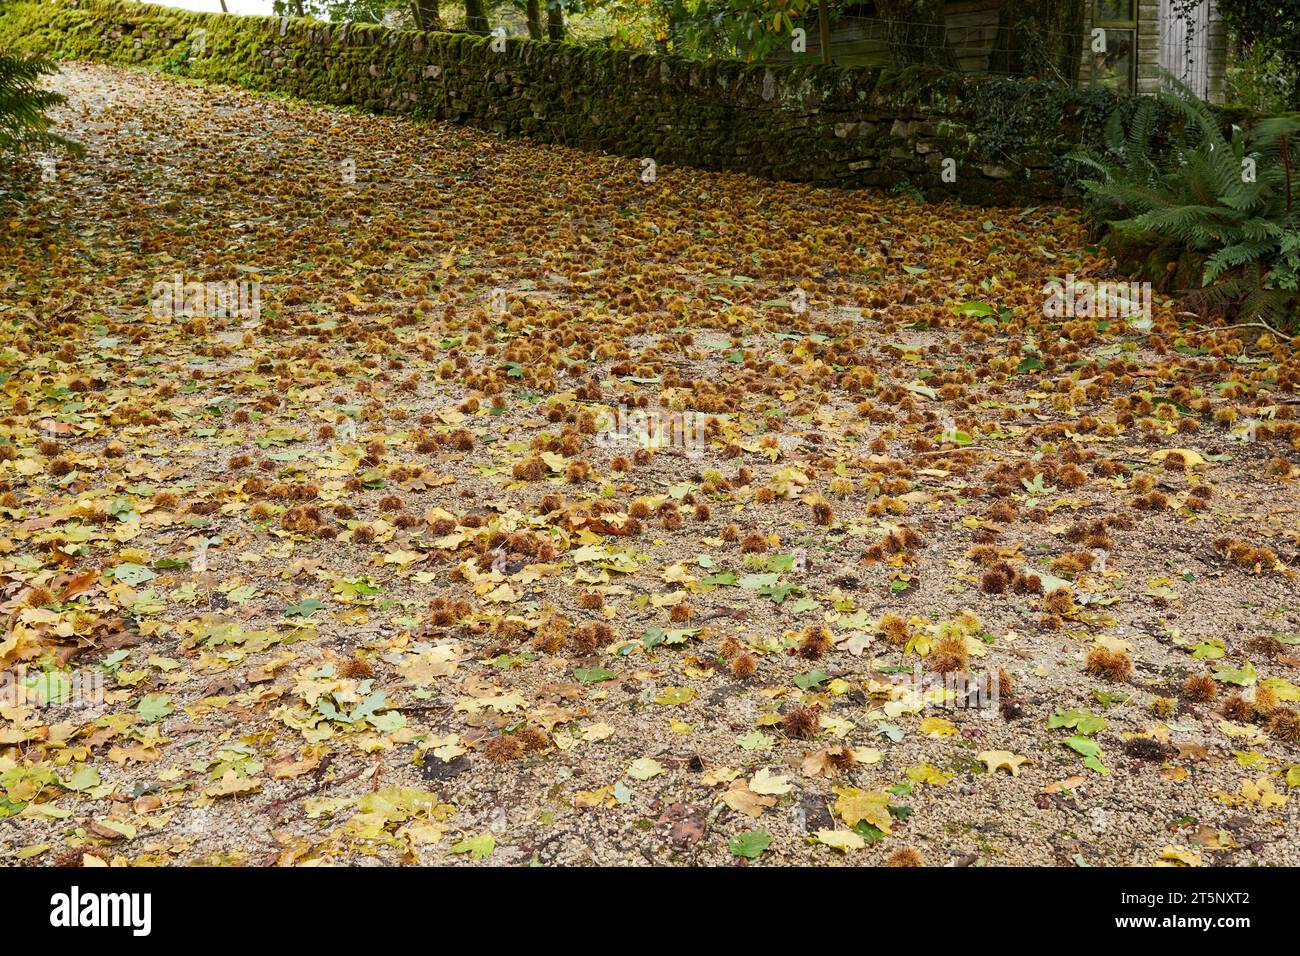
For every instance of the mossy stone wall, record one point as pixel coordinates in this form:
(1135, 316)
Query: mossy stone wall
(854, 126)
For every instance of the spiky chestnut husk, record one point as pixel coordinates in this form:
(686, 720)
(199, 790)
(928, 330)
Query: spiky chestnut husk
(530, 469)
(814, 643)
(1059, 602)
(591, 637)
(357, 668)
(744, 666)
(948, 656)
(1162, 707)
(532, 738)
(1284, 724)
(894, 628)
(1201, 688)
(1238, 708)
(905, 856)
(503, 749)
(801, 723)
(1108, 665)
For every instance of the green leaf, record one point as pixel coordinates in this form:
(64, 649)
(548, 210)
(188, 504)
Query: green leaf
(1080, 720)
(592, 675)
(154, 707)
(477, 847)
(722, 578)
(85, 777)
(1090, 750)
(242, 594)
(974, 308)
(811, 679)
(872, 834)
(755, 740)
(1241, 676)
(780, 562)
(750, 844)
(779, 592)
(132, 574)
(304, 608)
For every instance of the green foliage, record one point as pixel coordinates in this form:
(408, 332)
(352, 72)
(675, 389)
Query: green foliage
(1259, 81)
(745, 29)
(1168, 176)
(23, 103)
(1012, 112)
(347, 11)
(1271, 30)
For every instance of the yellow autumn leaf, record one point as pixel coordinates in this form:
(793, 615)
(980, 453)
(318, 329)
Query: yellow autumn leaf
(1181, 855)
(854, 805)
(1191, 457)
(938, 727)
(766, 784)
(924, 773)
(596, 732)
(602, 796)
(1262, 791)
(997, 760)
(645, 768)
(232, 785)
(843, 840)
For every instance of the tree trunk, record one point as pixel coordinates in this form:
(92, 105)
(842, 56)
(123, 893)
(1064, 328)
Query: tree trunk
(476, 20)
(1042, 38)
(555, 22)
(297, 9)
(916, 32)
(223, 7)
(534, 10)
(824, 31)
(427, 15)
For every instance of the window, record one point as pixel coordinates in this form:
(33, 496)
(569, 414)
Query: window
(1114, 49)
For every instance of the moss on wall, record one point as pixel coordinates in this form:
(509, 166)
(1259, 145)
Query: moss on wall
(847, 126)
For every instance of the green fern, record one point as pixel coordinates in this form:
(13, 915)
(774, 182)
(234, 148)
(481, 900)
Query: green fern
(23, 104)
(1170, 177)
